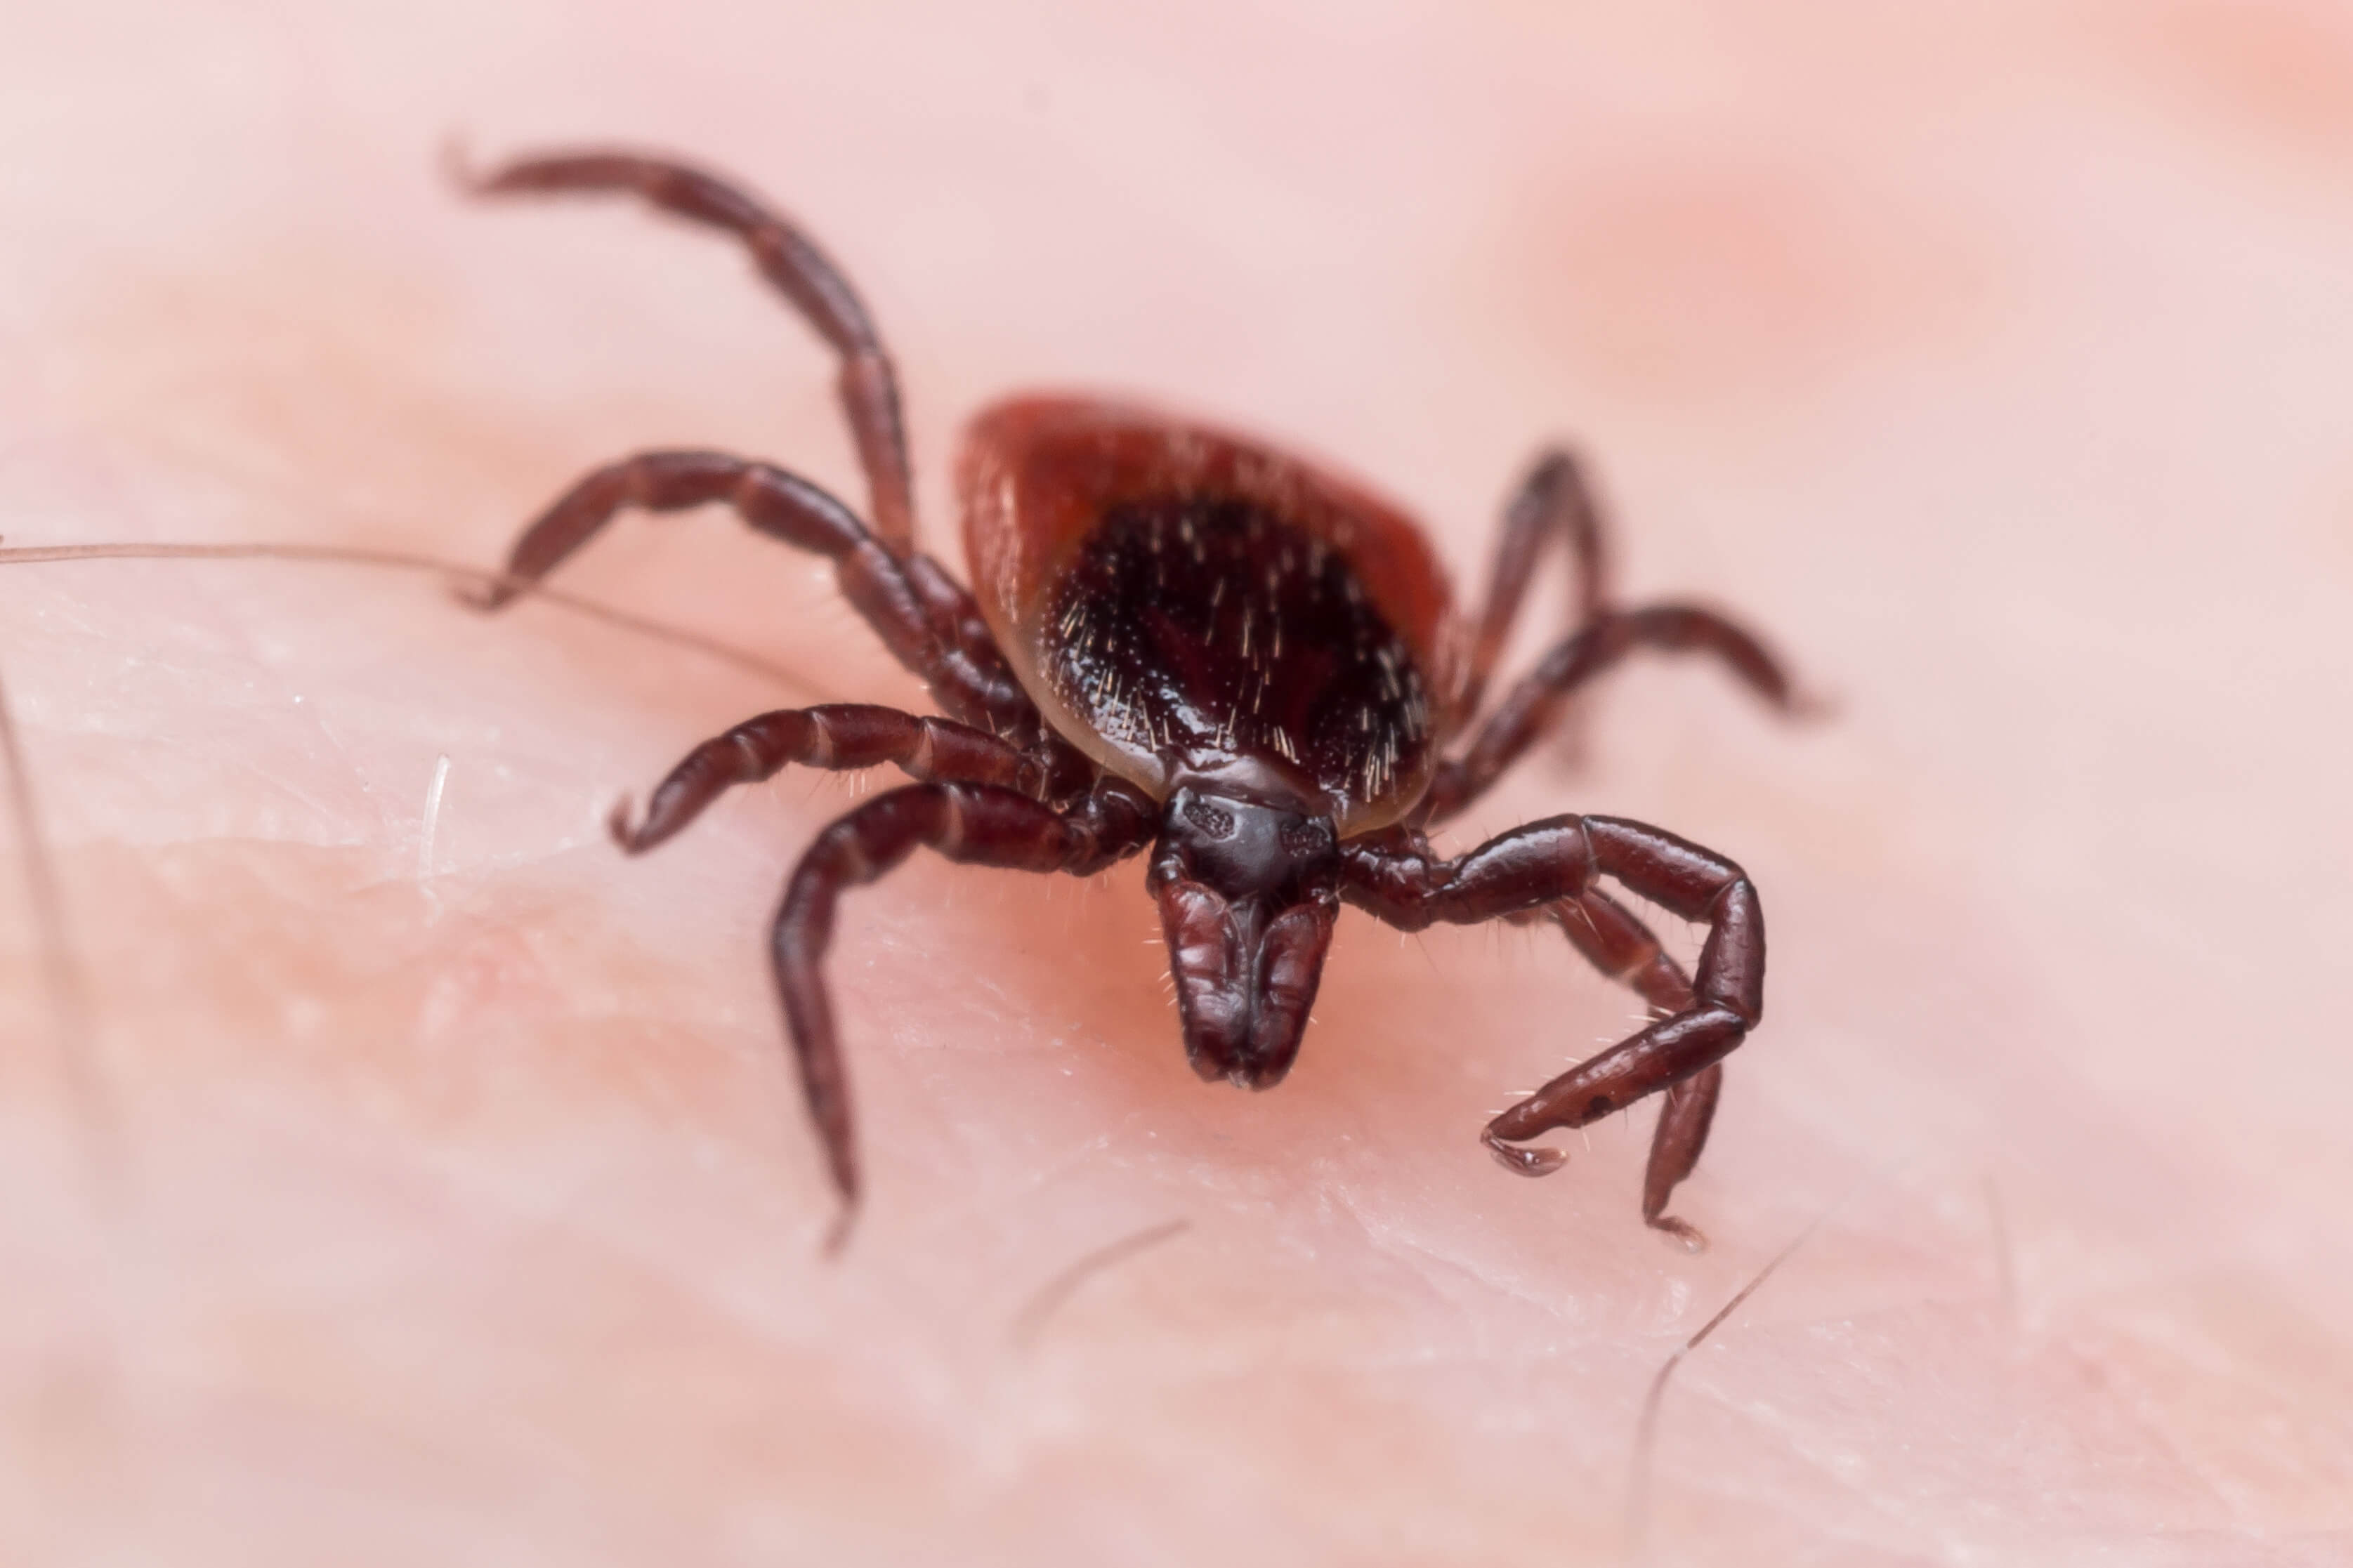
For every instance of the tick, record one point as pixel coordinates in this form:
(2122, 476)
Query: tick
(1183, 644)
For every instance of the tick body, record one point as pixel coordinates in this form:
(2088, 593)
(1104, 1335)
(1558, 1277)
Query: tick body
(1184, 645)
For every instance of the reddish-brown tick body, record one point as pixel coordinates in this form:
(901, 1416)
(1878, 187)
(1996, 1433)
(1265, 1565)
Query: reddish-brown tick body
(1178, 600)
(1183, 642)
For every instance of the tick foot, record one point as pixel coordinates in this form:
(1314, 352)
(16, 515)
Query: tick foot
(1521, 1161)
(1685, 1233)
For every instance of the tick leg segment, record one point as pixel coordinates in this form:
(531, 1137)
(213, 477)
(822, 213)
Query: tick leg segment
(973, 823)
(789, 259)
(785, 507)
(1558, 860)
(1553, 501)
(1535, 705)
(1621, 947)
(1684, 1117)
(842, 736)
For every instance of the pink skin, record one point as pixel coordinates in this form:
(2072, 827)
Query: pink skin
(1997, 363)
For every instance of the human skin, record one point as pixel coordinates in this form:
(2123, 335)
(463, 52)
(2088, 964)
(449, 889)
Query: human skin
(462, 1211)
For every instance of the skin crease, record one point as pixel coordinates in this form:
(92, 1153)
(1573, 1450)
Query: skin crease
(1991, 359)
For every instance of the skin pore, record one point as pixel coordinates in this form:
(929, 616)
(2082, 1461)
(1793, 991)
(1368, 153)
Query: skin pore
(458, 1206)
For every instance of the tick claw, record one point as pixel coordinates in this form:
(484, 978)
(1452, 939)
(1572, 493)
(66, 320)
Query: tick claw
(1521, 1161)
(1689, 1235)
(489, 596)
(616, 822)
(1810, 706)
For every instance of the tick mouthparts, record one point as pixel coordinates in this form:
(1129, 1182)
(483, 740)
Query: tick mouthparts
(1245, 977)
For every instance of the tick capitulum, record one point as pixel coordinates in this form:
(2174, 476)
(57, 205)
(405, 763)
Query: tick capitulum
(1181, 641)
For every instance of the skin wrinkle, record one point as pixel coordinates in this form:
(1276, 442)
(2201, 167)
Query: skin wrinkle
(1384, 1238)
(1967, 951)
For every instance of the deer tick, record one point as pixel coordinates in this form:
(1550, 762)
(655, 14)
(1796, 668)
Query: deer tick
(1183, 644)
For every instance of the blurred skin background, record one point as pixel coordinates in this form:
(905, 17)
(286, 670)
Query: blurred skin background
(451, 1201)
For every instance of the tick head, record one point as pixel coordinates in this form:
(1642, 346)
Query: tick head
(1247, 892)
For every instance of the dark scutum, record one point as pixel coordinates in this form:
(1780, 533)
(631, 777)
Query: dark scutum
(1208, 625)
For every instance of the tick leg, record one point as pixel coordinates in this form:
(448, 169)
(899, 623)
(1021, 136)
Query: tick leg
(1621, 947)
(1535, 705)
(1558, 860)
(783, 505)
(973, 823)
(842, 736)
(790, 260)
(1687, 1111)
(1553, 501)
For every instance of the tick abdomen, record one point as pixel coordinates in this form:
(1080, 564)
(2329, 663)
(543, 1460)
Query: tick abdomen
(1208, 626)
(1176, 597)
